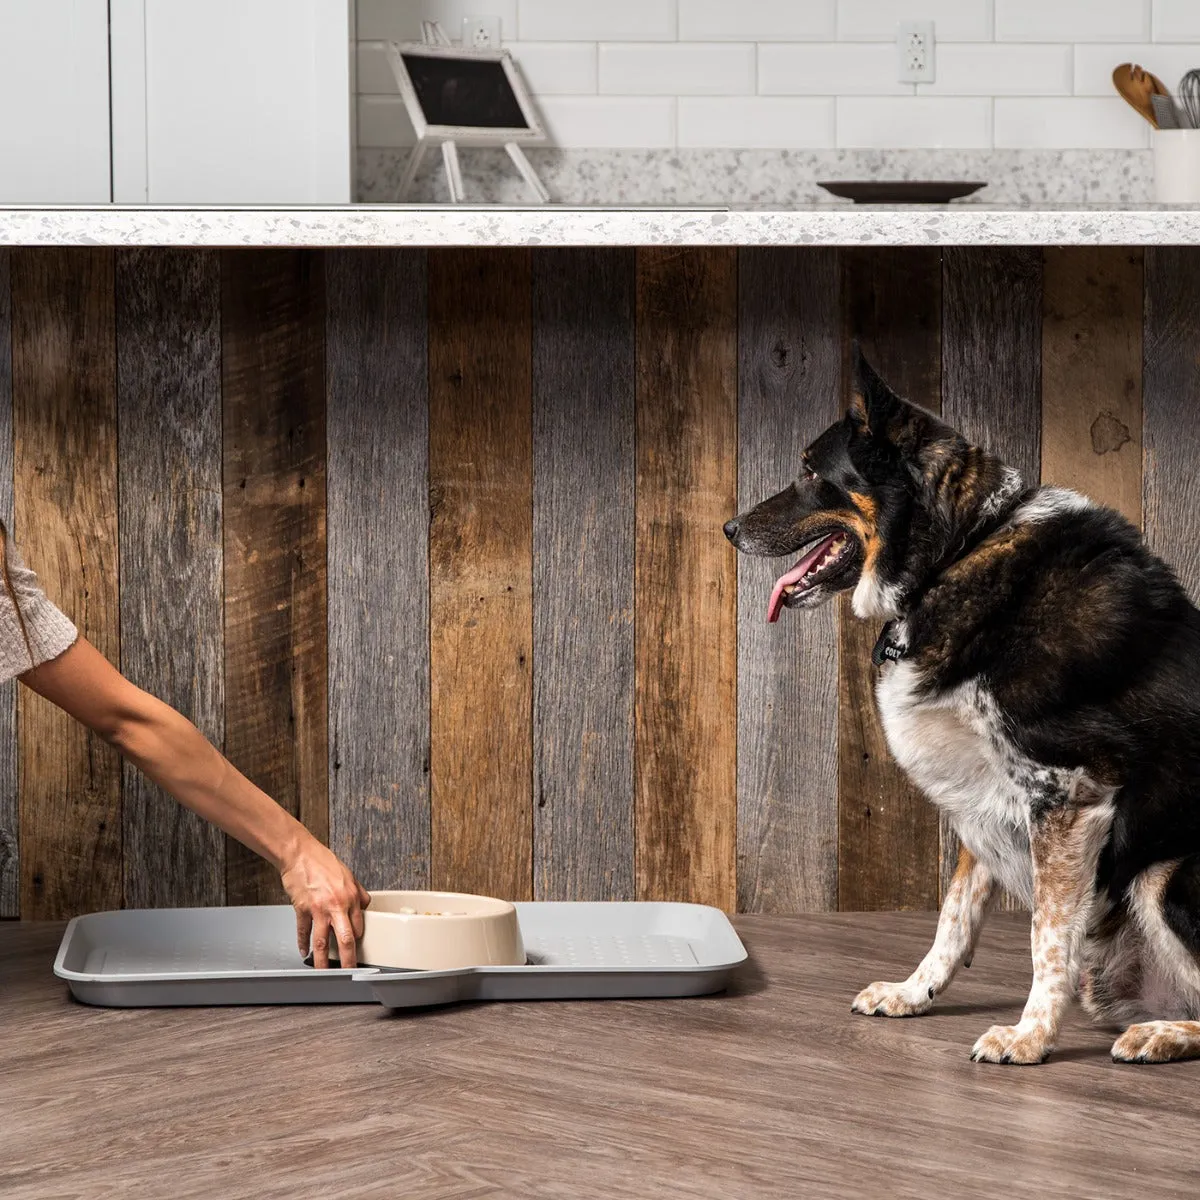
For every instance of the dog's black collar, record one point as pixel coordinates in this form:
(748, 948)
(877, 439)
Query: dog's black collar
(887, 649)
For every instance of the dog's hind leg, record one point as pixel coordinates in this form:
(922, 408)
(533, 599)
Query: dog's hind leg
(1165, 902)
(1112, 980)
(966, 903)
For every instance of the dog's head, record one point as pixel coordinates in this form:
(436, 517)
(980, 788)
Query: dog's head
(884, 498)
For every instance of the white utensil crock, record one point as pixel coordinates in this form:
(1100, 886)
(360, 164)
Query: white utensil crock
(1177, 166)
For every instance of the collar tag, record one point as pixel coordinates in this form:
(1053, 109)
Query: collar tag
(887, 650)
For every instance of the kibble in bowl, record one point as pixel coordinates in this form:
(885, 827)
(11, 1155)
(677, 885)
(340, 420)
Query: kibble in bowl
(439, 931)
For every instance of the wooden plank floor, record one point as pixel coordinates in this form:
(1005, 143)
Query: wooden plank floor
(773, 1090)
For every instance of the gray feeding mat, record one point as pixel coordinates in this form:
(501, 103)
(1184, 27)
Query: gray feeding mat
(146, 958)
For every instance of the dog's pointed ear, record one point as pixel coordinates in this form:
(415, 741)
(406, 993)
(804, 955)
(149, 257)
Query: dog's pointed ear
(872, 403)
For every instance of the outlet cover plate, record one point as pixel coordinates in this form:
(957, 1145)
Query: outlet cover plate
(481, 33)
(914, 52)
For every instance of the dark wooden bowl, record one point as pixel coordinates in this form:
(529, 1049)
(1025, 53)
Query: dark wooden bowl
(902, 191)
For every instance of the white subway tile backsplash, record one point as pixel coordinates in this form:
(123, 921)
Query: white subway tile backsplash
(756, 20)
(787, 74)
(588, 21)
(400, 20)
(375, 76)
(1177, 20)
(556, 68)
(1077, 123)
(876, 20)
(383, 121)
(1072, 20)
(1001, 70)
(756, 122)
(696, 69)
(610, 122)
(911, 122)
(1094, 64)
(825, 70)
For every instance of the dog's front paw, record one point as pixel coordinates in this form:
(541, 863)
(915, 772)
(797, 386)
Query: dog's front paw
(1021, 1044)
(1156, 1042)
(892, 1000)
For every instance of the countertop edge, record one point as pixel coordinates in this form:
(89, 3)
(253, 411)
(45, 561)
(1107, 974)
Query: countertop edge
(420, 227)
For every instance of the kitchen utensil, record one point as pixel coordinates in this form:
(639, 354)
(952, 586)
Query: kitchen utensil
(150, 958)
(901, 191)
(1136, 85)
(1189, 97)
(1164, 111)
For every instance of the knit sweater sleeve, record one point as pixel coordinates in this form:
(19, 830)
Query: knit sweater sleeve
(50, 630)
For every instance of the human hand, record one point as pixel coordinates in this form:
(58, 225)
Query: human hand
(326, 897)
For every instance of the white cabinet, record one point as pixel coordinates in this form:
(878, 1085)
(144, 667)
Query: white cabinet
(54, 131)
(232, 101)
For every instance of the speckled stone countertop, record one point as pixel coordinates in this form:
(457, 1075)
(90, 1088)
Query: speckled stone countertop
(842, 224)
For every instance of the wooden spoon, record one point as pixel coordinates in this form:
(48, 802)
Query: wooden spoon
(1137, 86)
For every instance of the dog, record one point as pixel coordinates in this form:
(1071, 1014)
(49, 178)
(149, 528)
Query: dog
(1039, 680)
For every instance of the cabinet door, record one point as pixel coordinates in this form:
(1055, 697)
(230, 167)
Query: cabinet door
(54, 137)
(243, 103)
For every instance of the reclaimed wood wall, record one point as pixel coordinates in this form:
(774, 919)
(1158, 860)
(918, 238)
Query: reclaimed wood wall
(431, 544)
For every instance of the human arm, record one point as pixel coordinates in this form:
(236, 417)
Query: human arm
(172, 752)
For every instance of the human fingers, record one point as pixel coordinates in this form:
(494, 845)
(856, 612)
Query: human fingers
(347, 949)
(320, 940)
(304, 924)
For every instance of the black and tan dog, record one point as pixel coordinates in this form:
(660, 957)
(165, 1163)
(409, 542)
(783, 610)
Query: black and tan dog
(1039, 679)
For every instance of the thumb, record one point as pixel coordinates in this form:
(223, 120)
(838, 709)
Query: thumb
(364, 897)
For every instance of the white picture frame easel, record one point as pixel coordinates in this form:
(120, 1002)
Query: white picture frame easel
(450, 137)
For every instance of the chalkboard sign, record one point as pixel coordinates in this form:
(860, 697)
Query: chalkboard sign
(466, 96)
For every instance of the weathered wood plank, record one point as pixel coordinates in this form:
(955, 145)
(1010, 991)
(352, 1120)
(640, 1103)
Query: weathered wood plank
(480, 562)
(991, 362)
(991, 369)
(1092, 374)
(377, 397)
(65, 458)
(686, 576)
(1171, 385)
(10, 865)
(273, 378)
(583, 518)
(169, 437)
(888, 831)
(789, 390)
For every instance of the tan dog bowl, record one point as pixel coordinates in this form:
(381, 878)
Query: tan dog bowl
(439, 931)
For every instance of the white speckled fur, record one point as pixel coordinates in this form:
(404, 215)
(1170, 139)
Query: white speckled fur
(1066, 844)
(1050, 502)
(1011, 486)
(873, 600)
(967, 900)
(954, 748)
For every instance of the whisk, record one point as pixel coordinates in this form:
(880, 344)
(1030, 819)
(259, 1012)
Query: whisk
(1189, 97)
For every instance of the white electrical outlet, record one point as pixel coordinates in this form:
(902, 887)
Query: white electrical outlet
(481, 33)
(914, 52)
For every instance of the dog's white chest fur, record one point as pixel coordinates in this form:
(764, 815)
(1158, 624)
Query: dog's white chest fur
(954, 747)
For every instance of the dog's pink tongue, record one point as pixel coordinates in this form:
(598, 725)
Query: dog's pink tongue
(794, 576)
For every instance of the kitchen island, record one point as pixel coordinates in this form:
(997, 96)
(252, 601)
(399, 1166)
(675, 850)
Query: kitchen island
(618, 384)
(774, 1089)
(556, 225)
